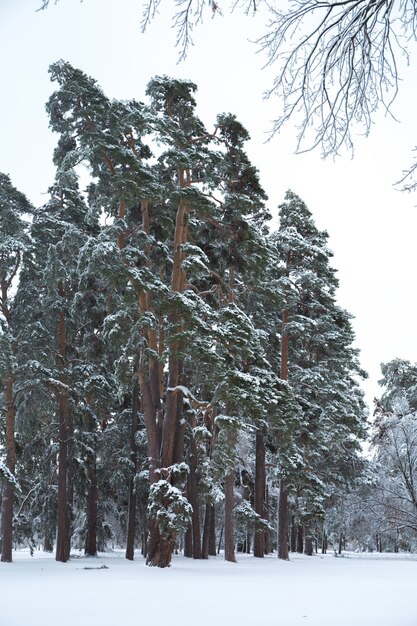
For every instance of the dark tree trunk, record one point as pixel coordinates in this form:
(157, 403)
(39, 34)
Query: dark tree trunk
(268, 548)
(7, 523)
(48, 544)
(63, 543)
(219, 545)
(206, 532)
(293, 535)
(192, 496)
(308, 544)
(212, 532)
(229, 541)
(283, 495)
(8, 489)
(63, 515)
(90, 547)
(324, 543)
(188, 543)
(160, 548)
(144, 529)
(340, 544)
(300, 539)
(283, 523)
(259, 543)
(132, 503)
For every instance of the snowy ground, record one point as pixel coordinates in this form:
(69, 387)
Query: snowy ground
(357, 590)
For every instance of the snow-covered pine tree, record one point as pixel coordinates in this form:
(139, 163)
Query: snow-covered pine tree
(233, 239)
(318, 358)
(14, 240)
(58, 231)
(107, 136)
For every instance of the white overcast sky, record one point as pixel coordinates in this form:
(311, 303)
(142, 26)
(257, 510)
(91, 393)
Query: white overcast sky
(372, 226)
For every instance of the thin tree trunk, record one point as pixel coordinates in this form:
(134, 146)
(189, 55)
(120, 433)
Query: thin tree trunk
(300, 539)
(293, 535)
(90, 544)
(192, 494)
(173, 396)
(132, 504)
(259, 543)
(220, 539)
(268, 548)
(283, 523)
(63, 516)
(308, 544)
(324, 543)
(90, 547)
(212, 531)
(229, 541)
(8, 489)
(283, 496)
(206, 532)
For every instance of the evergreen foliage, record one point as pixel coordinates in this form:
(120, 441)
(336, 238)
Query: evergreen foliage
(176, 366)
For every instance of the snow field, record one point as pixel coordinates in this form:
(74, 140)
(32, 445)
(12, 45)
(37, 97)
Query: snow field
(358, 590)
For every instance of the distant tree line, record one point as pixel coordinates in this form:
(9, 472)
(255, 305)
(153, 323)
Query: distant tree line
(173, 374)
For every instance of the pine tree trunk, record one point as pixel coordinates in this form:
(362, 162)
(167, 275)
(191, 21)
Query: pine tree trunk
(308, 544)
(90, 547)
(192, 496)
(206, 532)
(229, 541)
(188, 543)
(132, 503)
(283, 523)
(259, 543)
(8, 489)
(283, 495)
(268, 548)
(173, 396)
(324, 543)
(212, 532)
(63, 516)
(300, 539)
(293, 535)
(160, 548)
(48, 544)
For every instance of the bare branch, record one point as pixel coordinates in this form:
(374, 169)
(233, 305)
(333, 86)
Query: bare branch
(341, 68)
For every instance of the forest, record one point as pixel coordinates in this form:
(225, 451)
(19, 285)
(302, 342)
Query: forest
(176, 375)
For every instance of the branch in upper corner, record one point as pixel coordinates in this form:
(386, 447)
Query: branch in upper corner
(338, 63)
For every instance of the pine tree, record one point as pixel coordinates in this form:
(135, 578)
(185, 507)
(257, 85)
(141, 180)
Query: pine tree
(14, 207)
(320, 362)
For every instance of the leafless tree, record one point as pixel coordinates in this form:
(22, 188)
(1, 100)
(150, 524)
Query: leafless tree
(337, 64)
